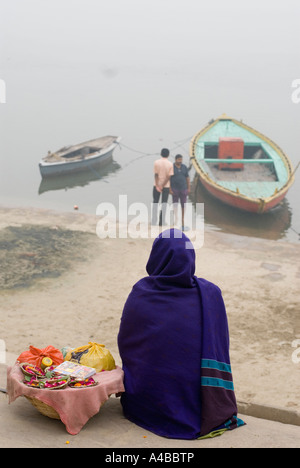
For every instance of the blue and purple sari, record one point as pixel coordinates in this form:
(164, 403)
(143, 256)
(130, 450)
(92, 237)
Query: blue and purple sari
(174, 346)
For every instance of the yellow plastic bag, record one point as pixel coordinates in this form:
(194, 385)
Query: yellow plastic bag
(92, 355)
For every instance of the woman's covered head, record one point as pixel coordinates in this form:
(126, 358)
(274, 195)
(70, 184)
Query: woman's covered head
(172, 257)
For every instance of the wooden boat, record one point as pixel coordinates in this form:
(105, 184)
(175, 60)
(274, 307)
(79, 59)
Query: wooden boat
(239, 166)
(81, 157)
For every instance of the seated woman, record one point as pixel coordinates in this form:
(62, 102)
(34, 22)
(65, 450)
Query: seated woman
(174, 345)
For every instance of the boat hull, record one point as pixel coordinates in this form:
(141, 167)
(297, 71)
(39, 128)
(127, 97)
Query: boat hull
(259, 206)
(252, 196)
(271, 225)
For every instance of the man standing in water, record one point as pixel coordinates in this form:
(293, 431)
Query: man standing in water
(180, 187)
(163, 171)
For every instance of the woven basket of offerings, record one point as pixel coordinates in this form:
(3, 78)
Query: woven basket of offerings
(44, 409)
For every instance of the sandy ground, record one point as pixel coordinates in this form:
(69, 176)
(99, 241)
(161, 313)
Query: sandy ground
(62, 285)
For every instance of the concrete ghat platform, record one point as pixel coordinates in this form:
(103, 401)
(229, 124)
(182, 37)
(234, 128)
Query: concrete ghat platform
(22, 426)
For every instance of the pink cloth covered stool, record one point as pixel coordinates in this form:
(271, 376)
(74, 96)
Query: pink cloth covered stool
(75, 406)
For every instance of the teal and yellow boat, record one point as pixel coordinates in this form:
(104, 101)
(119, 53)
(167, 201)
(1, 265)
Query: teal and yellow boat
(239, 166)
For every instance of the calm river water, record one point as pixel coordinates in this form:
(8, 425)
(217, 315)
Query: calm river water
(153, 72)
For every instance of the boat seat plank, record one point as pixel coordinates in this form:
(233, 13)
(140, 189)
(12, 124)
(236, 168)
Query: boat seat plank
(251, 189)
(234, 161)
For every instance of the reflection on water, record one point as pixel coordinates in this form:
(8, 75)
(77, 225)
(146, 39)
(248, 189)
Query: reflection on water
(271, 225)
(79, 179)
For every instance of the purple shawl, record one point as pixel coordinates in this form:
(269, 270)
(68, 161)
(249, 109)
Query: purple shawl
(174, 346)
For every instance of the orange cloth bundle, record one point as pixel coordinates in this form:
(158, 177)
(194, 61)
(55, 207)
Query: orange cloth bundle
(35, 355)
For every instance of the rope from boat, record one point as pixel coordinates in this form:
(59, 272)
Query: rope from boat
(179, 144)
(142, 154)
(296, 232)
(294, 171)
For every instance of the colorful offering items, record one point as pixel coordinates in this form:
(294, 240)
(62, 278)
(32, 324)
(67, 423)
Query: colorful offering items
(31, 370)
(93, 355)
(50, 384)
(35, 356)
(55, 384)
(51, 380)
(50, 369)
(46, 362)
(83, 383)
(33, 382)
(51, 374)
(75, 370)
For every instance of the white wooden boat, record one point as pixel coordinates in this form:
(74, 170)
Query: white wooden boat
(81, 157)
